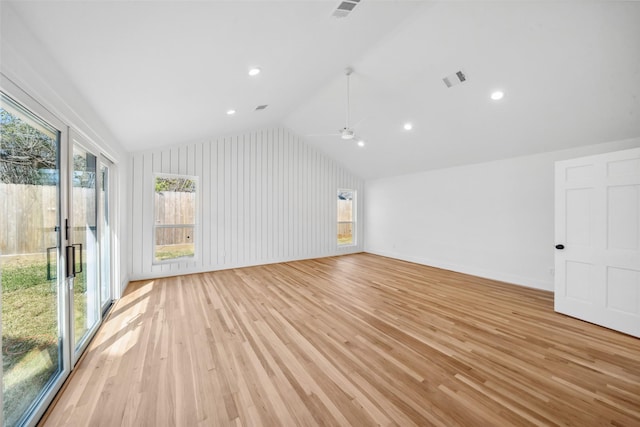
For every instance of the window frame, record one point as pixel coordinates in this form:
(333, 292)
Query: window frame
(354, 233)
(194, 226)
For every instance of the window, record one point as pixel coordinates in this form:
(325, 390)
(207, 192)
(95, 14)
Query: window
(174, 217)
(346, 217)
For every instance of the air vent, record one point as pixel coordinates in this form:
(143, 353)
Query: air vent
(261, 107)
(345, 8)
(455, 78)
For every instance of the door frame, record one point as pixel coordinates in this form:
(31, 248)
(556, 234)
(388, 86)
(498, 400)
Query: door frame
(39, 407)
(66, 310)
(104, 160)
(76, 137)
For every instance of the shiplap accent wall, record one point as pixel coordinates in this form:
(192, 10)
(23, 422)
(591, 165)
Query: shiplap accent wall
(264, 197)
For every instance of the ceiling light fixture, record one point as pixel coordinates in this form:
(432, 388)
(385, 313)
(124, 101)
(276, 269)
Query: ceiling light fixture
(497, 95)
(231, 112)
(408, 126)
(361, 143)
(254, 71)
(347, 133)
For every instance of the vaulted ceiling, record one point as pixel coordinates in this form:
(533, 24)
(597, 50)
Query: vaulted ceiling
(165, 73)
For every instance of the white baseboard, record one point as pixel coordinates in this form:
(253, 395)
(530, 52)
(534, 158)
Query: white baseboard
(342, 251)
(493, 275)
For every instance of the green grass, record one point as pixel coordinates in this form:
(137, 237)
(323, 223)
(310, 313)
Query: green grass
(345, 239)
(22, 277)
(29, 333)
(30, 344)
(174, 251)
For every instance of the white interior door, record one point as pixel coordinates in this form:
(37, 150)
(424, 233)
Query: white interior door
(597, 256)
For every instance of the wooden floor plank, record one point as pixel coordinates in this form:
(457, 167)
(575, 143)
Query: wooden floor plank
(352, 340)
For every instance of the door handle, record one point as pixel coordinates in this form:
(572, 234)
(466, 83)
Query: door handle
(49, 275)
(74, 259)
(70, 261)
(560, 247)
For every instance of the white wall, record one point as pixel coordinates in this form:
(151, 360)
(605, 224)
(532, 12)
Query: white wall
(494, 219)
(265, 196)
(28, 65)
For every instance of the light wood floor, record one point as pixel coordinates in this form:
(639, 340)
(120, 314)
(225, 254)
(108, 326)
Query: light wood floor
(353, 340)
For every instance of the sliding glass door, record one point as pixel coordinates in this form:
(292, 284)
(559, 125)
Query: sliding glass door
(33, 315)
(83, 245)
(55, 253)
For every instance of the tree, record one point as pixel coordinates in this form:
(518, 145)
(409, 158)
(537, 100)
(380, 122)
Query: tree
(25, 151)
(175, 184)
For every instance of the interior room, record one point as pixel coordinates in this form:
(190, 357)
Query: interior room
(356, 212)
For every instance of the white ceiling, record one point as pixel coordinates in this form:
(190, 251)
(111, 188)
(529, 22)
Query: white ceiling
(164, 73)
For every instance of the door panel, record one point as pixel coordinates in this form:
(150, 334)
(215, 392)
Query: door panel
(578, 216)
(33, 355)
(623, 290)
(84, 239)
(624, 206)
(578, 281)
(598, 222)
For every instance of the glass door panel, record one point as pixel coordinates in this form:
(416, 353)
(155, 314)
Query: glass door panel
(84, 242)
(30, 273)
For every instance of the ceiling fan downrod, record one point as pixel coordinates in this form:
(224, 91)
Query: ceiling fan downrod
(347, 132)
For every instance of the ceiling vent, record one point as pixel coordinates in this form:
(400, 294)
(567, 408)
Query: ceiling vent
(455, 78)
(344, 8)
(261, 107)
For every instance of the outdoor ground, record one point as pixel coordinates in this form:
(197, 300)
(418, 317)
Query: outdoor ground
(30, 345)
(164, 252)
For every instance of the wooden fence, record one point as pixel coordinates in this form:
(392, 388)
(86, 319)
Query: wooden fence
(29, 215)
(345, 221)
(345, 210)
(174, 208)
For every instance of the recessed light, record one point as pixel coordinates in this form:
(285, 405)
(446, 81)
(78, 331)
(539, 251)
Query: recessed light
(361, 143)
(497, 95)
(254, 71)
(231, 112)
(408, 126)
